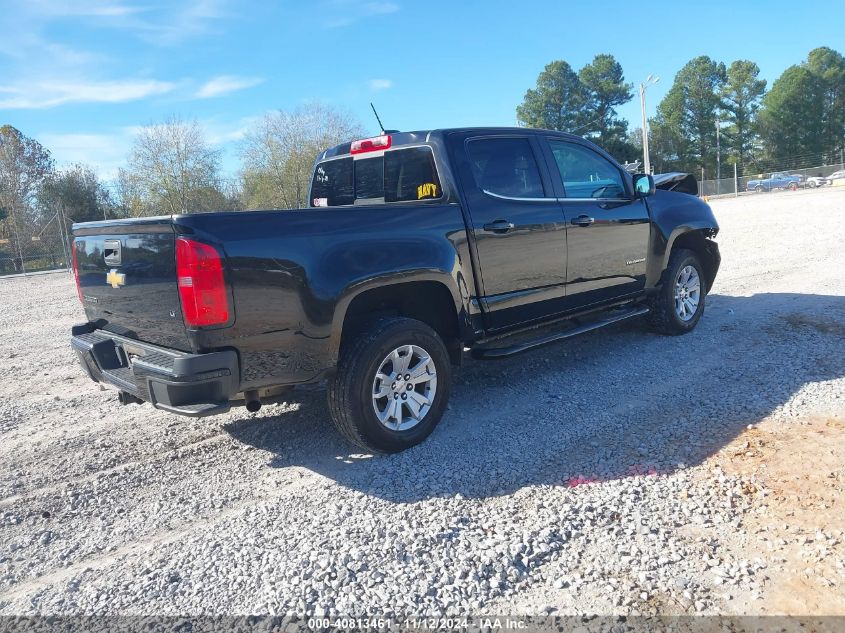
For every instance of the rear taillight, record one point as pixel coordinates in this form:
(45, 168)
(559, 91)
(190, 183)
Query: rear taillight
(375, 144)
(202, 289)
(75, 265)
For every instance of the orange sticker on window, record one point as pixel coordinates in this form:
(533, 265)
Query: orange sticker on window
(427, 190)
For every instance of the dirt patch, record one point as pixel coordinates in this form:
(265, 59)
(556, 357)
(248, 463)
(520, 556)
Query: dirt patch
(795, 474)
(825, 326)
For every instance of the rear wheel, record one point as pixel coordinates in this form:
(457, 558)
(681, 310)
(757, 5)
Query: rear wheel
(679, 303)
(793, 187)
(391, 386)
(758, 189)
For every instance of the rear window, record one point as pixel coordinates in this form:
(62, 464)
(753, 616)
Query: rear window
(400, 175)
(333, 185)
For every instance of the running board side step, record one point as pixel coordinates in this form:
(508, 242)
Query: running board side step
(494, 353)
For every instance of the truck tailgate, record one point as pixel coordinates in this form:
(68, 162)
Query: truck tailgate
(127, 279)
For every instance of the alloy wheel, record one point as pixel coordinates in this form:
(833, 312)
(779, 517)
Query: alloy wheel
(687, 293)
(404, 387)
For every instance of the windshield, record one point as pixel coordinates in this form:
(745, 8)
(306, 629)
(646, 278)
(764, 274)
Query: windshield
(400, 175)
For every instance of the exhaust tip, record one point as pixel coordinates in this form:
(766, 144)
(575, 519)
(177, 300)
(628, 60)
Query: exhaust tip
(253, 402)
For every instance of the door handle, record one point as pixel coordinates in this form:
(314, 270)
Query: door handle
(499, 226)
(583, 220)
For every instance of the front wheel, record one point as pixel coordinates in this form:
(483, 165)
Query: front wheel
(391, 386)
(679, 303)
(758, 189)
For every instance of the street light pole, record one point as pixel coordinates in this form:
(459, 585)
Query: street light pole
(646, 164)
(650, 80)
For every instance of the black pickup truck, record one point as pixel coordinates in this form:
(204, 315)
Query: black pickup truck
(417, 248)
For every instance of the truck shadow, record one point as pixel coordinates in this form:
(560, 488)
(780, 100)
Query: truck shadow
(616, 403)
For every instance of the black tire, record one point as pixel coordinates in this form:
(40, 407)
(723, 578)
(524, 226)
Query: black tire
(662, 317)
(759, 189)
(350, 392)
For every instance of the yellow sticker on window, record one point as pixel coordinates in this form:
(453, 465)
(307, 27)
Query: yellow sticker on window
(427, 190)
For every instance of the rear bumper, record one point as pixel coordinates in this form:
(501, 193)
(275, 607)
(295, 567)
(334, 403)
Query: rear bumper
(195, 385)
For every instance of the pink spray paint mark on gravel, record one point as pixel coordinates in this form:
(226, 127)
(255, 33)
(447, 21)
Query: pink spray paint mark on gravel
(636, 470)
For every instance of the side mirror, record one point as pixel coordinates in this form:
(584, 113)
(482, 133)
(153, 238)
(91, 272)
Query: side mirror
(643, 185)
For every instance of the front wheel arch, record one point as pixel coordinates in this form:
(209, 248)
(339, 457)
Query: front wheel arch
(697, 240)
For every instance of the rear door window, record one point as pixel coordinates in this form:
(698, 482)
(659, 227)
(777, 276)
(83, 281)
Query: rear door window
(400, 175)
(506, 167)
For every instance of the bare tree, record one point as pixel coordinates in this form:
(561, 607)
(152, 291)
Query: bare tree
(172, 169)
(279, 152)
(24, 164)
(130, 201)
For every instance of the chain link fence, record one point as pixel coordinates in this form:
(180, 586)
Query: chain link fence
(738, 186)
(29, 244)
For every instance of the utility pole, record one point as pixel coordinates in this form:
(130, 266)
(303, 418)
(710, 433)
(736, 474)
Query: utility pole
(650, 80)
(736, 183)
(63, 235)
(18, 240)
(718, 159)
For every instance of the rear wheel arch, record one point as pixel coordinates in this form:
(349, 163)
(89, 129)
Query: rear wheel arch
(429, 301)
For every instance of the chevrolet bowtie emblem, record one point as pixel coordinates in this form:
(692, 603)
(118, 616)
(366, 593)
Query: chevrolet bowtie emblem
(115, 279)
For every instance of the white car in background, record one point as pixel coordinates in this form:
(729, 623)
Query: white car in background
(816, 181)
(837, 175)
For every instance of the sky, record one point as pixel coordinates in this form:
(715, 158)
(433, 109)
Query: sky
(81, 76)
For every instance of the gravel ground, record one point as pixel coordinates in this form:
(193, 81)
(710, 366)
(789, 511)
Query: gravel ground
(592, 476)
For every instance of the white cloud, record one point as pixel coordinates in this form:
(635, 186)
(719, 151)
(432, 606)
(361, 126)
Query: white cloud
(114, 10)
(379, 8)
(193, 19)
(346, 12)
(220, 132)
(44, 72)
(380, 84)
(70, 8)
(162, 23)
(103, 152)
(225, 84)
(47, 94)
(339, 22)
